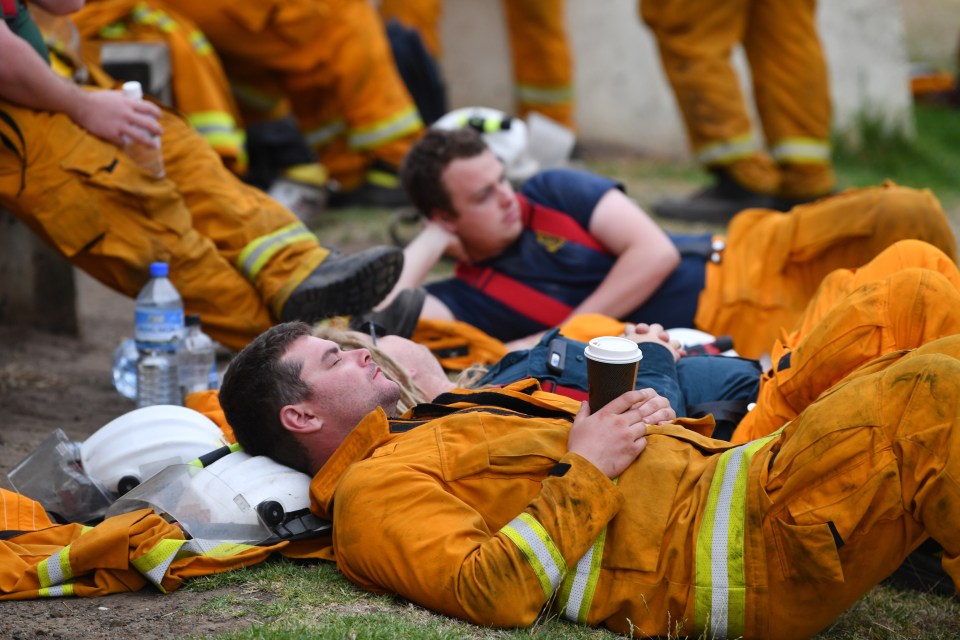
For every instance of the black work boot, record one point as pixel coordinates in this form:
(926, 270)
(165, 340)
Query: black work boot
(345, 284)
(718, 202)
(399, 318)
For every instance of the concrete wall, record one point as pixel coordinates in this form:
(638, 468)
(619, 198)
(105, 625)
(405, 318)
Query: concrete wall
(933, 31)
(623, 97)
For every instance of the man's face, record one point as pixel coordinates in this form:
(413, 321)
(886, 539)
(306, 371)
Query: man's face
(345, 385)
(487, 213)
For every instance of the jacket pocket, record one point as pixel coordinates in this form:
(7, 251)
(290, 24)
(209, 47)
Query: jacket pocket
(502, 445)
(809, 552)
(635, 536)
(66, 209)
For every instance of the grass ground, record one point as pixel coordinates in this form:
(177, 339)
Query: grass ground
(283, 599)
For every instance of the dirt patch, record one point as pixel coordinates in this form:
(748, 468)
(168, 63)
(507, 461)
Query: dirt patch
(49, 382)
(146, 615)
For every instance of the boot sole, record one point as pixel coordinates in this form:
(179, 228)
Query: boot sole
(356, 292)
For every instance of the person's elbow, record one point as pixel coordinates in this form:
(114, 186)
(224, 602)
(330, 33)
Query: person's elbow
(669, 257)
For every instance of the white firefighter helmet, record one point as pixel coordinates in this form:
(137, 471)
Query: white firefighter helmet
(504, 134)
(131, 448)
(237, 498)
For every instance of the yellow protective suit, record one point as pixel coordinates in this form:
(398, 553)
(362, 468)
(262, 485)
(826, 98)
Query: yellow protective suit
(331, 60)
(904, 298)
(541, 53)
(481, 513)
(235, 255)
(199, 84)
(41, 560)
(790, 87)
(773, 263)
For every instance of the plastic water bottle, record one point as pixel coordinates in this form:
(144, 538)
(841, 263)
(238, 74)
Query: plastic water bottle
(197, 360)
(158, 330)
(150, 158)
(125, 358)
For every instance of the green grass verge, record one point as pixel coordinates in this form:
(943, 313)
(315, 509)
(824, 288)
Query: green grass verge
(286, 600)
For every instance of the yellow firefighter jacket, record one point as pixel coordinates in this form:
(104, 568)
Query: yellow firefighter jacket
(473, 507)
(39, 559)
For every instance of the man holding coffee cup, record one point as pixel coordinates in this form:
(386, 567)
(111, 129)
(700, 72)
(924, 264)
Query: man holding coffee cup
(500, 505)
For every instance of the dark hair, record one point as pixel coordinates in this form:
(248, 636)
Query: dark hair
(426, 161)
(256, 385)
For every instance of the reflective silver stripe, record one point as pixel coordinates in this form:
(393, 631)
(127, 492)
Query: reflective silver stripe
(55, 570)
(325, 134)
(403, 124)
(720, 577)
(580, 586)
(538, 548)
(728, 150)
(56, 574)
(720, 545)
(801, 150)
(258, 253)
(154, 564)
(544, 95)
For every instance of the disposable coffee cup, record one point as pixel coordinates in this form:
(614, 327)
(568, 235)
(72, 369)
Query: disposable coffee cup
(611, 369)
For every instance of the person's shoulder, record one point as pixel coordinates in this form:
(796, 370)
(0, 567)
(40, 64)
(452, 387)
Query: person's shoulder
(571, 190)
(567, 179)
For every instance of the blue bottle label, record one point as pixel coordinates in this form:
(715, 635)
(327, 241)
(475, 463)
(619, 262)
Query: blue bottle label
(160, 328)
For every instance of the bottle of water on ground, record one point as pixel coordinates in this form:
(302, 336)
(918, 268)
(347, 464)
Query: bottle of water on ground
(125, 358)
(150, 158)
(197, 361)
(158, 330)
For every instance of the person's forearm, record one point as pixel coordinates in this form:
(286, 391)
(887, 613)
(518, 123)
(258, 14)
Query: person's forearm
(635, 276)
(485, 577)
(419, 257)
(25, 79)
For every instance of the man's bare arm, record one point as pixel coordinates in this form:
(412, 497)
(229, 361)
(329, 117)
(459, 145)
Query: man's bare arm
(645, 256)
(25, 79)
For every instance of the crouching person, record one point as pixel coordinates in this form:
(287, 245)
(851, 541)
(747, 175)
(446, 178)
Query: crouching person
(488, 504)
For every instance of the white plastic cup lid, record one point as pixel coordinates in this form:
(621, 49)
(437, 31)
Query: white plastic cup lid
(613, 350)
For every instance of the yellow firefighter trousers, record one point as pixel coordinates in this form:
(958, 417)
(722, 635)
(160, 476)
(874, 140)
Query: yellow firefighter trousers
(861, 478)
(902, 299)
(790, 86)
(541, 53)
(235, 255)
(331, 60)
(198, 82)
(774, 262)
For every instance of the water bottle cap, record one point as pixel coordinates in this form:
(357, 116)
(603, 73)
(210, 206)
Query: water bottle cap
(159, 269)
(191, 320)
(132, 89)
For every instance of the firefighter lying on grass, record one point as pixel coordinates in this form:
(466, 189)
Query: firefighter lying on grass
(488, 505)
